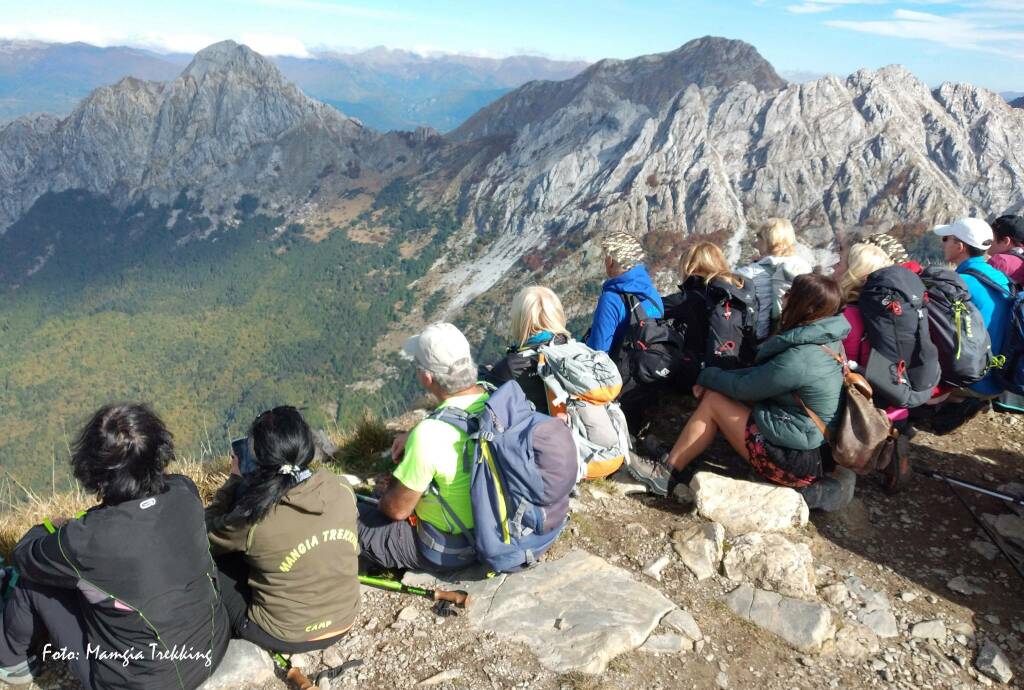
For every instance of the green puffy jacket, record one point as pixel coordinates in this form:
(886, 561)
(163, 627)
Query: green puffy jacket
(789, 362)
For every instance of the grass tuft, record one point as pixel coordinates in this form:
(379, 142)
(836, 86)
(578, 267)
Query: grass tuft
(361, 450)
(21, 508)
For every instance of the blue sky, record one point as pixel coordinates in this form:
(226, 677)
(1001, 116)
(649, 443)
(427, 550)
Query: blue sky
(980, 41)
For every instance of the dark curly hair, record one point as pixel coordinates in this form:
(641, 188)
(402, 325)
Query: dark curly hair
(279, 437)
(122, 452)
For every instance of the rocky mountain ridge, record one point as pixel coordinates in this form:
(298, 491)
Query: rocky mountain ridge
(228, 125)
(385, 88)
(876, 149)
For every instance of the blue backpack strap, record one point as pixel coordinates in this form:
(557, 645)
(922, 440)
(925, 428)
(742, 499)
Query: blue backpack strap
(1007, 292)
(469, 424)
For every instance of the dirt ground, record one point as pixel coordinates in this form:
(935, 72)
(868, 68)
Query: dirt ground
(907, 546)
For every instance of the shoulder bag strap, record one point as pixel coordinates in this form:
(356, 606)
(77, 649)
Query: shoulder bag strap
(818, 422)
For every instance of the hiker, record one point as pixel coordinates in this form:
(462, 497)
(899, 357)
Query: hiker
(284, 539)
(1007, 256)
(758, 409)
(714, 311)
(964, 244)
(863, 260)
(1007, 252)
(627, 275)
(537, 320)
(626, 297)
(771, 275)
(428, 456)
(126, 591)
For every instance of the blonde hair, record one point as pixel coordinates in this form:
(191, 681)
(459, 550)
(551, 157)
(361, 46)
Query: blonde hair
(778, 236)
(536, 309)
(863, 260)
(706, 260)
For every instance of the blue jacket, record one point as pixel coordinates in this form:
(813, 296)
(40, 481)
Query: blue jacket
(994, 308)
(610, 317)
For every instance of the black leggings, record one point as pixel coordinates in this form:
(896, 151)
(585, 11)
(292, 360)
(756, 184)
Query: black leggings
(233, 575)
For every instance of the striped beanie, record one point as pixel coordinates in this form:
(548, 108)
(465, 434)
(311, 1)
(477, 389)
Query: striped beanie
(623, 248)
(888, 244)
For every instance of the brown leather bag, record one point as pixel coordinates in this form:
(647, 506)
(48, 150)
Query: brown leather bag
(863, 429)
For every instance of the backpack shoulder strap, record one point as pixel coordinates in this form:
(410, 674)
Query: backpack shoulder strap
(989, 283)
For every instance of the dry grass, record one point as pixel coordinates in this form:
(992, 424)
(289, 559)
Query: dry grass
(361, 448)
(21, 508)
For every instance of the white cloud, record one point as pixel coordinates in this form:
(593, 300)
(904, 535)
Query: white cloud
(819, 6)
(976, 31)
(70, 32)
(270, 44)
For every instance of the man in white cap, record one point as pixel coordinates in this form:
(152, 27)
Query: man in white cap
(964, 244)
(426, 503)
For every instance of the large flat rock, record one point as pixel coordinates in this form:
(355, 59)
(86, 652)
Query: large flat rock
(575, 614)
(772, 562)
(800, 623)
(741, 506)
(244, 666)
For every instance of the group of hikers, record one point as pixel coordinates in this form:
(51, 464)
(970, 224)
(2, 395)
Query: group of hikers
(145, 589)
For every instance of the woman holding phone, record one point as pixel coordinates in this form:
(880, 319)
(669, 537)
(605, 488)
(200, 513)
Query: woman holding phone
(284, 539)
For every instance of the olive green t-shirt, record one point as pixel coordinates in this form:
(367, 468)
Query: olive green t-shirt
(433, 453)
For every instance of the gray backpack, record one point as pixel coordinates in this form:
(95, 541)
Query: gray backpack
(583, 384)
(956, 327)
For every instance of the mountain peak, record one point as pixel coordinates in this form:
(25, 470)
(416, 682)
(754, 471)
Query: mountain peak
(229, 56)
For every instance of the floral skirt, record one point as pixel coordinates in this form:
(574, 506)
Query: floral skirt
(784, 466)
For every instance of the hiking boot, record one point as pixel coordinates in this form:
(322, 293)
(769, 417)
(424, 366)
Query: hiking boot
(898, 473)
(952, 416)
(654, 473)
(18, 674)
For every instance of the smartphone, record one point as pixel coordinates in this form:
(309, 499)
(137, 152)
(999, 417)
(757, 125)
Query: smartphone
(242, 449)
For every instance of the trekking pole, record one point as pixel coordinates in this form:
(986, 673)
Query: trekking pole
(367, 499)
(457, 597)
(295, 676)
(933, 474)
(992, 535)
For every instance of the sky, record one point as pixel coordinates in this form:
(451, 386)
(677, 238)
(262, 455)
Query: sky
(978, 41)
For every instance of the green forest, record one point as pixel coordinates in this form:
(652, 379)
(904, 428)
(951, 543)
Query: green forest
(210, 332)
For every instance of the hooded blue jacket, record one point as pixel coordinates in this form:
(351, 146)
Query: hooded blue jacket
(995, 311)
(610, 317)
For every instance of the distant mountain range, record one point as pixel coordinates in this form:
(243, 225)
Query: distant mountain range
(386, 89)
(221, 240)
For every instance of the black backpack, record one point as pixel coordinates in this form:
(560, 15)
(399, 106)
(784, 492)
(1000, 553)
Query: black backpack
(651, 350)
(956, 327)
(1010, 362)
(903, 367)
(732, 326)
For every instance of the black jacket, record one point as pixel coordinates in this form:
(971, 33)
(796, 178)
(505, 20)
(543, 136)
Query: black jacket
(146, 583)
(515, 366)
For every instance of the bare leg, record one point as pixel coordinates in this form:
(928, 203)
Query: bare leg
(715, 413)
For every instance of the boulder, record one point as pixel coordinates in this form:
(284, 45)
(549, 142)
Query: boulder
(967, 585)
(667, 644)
(244, 666)
(575, 614)
(771, 562)
(929, 630)
(700, 548)
(993, 663)
(682, 622)
(741, 506)
(802, 624)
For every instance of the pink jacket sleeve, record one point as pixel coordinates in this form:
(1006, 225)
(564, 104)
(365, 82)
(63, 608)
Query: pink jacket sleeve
(857, 348)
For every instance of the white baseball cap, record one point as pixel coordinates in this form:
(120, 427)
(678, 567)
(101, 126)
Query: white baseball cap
(971, 231)
(439, 349)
